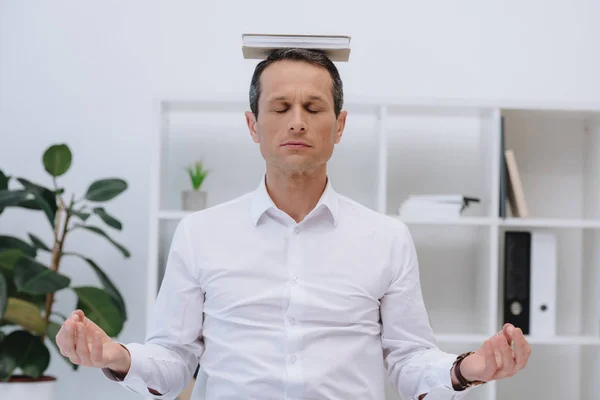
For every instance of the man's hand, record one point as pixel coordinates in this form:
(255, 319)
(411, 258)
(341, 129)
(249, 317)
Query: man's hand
(85, 343)
(495, 359)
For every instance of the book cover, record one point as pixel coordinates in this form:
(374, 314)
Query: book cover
(259, 46)
(516, 195)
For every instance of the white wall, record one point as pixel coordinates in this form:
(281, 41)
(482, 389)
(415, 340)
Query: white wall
(86, 74)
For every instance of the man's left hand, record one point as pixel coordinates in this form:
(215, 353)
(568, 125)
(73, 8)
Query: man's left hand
(496, 359)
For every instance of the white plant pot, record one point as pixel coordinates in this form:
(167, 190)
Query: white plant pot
(192, 200)
(29, 390)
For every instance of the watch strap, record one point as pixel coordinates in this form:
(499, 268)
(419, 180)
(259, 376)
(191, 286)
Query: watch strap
(463, 382)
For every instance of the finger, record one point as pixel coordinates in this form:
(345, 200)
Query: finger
(522, 350)
(89, 324)
(83, 350)
(490, 359)
(80, 314)
(96, 354)
(61, 339)
(508, 362)
(508, 331)
(497, 352)
(67, 341)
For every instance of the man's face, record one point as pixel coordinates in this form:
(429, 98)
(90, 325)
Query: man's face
(296, 127)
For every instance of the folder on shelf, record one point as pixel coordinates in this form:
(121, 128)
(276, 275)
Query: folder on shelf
(503, 173)
(530, 281)
(517, 279)
(259, 46)
(543, 283)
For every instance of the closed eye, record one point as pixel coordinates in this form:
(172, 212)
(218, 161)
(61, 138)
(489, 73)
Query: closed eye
(310, 111)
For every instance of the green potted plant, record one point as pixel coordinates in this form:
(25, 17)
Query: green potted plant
(28, 319)
(195, 199)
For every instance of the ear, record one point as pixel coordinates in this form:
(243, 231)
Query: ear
(251, 121)
(341, 123)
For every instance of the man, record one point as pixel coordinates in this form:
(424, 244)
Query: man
(292, 291)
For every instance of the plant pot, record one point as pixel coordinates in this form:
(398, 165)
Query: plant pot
(193, 200)
(26, 388)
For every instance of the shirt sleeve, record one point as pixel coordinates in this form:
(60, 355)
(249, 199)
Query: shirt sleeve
(413, 360)
(168, 359)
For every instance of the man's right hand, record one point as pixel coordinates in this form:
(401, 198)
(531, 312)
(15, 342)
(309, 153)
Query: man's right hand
(85, 343)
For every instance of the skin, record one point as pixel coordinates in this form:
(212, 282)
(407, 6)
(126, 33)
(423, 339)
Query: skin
(296, 106)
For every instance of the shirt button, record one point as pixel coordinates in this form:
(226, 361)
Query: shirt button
(296, 230)
(296, 280)
(292, 321)
(293, 359)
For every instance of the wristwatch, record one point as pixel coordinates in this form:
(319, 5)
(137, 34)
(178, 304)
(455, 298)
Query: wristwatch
(463, 382)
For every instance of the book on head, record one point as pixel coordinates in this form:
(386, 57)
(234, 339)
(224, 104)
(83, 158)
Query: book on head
(260, 45)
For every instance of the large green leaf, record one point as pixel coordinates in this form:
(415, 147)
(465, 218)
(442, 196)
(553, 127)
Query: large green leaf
(51, 332)
(38, 243)
(100, 232)
(23, 350)
(31, 204)
(57, 159)
(82, 215)
(107, 284)
(9, 243)
(3, 295)
(34, 278)
(25, 314)
(107, 218)
(3, 180)
(3, 186)
(44, 197)
(105, 189)
(13, 198)
(8, 259)
(99, 306)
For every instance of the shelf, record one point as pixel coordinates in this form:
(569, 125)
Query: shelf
(465, 221)
(565, 340)
(395, 148)
(457, 338)
(469, 221)
(551, 223)
(450, 338)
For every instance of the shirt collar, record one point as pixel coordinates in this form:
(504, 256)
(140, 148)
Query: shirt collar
(261, 201)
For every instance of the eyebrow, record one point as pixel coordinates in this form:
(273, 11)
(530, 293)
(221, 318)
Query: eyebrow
(311, 97)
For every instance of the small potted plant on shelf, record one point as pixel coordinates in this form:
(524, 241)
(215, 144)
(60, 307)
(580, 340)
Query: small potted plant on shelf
(195, 199)
(29, 321)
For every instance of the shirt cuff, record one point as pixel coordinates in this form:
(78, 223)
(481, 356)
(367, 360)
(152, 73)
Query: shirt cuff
(444, 365)
(138, 375)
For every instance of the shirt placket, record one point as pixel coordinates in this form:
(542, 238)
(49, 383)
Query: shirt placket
(293, 314)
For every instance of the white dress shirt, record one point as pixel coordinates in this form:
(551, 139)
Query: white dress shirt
(274, 309)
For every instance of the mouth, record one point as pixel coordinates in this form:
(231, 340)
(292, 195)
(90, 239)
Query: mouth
(295, 144)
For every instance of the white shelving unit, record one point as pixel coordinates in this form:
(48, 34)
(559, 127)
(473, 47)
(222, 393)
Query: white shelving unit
(395, 147)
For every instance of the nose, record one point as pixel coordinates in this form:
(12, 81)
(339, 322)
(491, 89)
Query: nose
(297, 123)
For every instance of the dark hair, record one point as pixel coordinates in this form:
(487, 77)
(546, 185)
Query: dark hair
(314, 57)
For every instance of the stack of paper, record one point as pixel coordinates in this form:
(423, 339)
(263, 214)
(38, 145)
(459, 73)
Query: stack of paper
(435, 206)
(259, 46)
